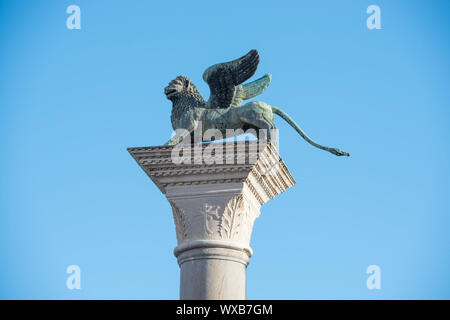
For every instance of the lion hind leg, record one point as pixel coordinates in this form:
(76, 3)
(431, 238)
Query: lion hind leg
(255, 114)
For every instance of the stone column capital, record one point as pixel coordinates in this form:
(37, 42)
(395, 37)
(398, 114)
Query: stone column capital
(216, 200)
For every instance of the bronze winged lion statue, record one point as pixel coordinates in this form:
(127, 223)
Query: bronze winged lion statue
(223, 110)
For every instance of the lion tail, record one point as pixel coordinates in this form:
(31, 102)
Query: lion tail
(297, 128)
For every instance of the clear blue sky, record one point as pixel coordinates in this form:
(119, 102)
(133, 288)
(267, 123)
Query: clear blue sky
(72, 101)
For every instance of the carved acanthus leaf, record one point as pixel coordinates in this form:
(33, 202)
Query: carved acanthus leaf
(232, 217)
(181, 225)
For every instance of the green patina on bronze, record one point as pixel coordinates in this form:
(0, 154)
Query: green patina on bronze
(223, 110)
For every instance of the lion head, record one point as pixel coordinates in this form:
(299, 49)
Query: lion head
(180, 86)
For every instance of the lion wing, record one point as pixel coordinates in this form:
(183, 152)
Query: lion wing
(251, 89)
(223, 78)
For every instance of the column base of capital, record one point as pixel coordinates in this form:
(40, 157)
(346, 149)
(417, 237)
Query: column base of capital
(213, 249)
(212, 270)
